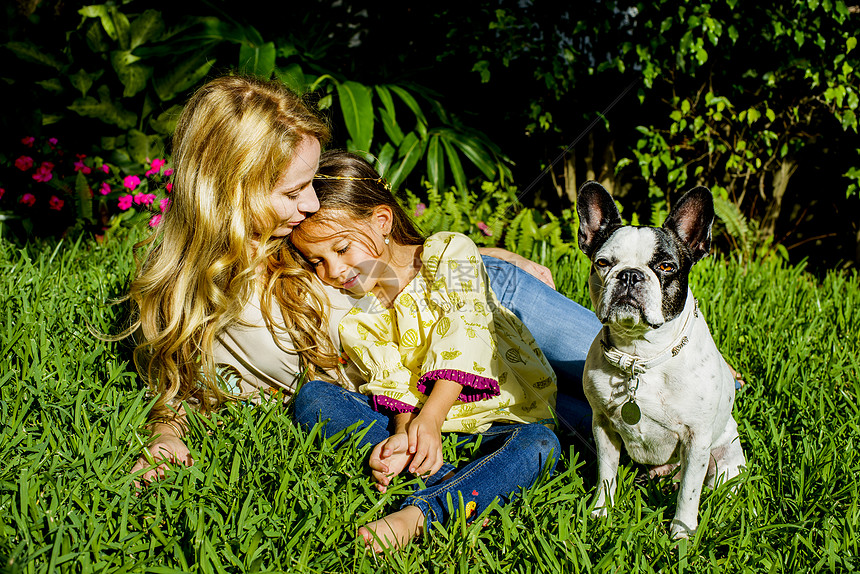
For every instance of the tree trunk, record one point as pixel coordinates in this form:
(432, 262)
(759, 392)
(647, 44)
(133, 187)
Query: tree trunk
(787, 167)
(570, 188)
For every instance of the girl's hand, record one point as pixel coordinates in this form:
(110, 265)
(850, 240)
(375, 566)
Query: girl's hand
(167, 447)
(388, 459)
(425, 442)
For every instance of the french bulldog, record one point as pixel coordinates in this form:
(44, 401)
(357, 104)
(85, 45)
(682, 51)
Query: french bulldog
(654, 378)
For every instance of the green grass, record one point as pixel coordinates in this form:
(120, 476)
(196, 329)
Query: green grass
(265, 496)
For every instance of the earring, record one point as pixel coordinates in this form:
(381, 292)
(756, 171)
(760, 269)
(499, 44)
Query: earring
(386, 239)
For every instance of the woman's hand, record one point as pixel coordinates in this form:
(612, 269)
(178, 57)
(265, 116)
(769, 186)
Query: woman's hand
(527, 265)
(388, 459)
(167, 447)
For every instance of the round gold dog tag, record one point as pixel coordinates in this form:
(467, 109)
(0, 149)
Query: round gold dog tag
(630, 413)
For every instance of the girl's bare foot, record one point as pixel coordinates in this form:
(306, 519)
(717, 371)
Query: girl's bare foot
(393, 531)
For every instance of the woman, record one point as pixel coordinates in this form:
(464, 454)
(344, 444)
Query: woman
(219, 284)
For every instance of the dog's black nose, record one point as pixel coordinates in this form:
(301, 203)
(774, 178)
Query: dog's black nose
(630, 277)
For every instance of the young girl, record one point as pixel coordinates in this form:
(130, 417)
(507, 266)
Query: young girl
(438, 351)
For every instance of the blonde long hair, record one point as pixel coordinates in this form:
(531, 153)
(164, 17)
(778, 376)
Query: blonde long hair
(234, 139)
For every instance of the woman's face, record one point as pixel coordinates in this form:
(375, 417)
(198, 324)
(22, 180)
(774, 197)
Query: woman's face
(293, 196)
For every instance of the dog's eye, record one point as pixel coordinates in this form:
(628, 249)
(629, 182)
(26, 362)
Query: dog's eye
(666, 267)
(602, 262)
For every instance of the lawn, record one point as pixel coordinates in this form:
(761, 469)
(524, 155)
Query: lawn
(265, 496)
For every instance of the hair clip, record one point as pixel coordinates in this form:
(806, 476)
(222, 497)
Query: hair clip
(379, 180)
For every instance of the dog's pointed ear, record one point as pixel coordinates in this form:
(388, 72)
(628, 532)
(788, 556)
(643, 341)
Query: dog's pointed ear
(598, 216)
(692, 218)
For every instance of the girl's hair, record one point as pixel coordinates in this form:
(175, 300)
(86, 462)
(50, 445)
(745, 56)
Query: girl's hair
(235, 137)
(347, 185)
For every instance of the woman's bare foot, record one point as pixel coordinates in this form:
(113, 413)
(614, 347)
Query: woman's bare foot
(393, 531)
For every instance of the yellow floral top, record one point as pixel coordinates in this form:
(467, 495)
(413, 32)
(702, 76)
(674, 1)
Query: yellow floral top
(448, 324)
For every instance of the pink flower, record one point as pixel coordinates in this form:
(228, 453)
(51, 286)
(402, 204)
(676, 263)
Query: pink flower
(105, 188)
(131, 182)
(28, 199)
(164, 204)
(484, 229)
(169, 187)
(105, 168)
(157, 164)
(2, 191)
(144, 198)
(52, 141)
(24, 162)
(125, 202)
(156, 219)
(419, 209)
(55, 203)
(80, 166)
(168, 172)
(28, 141)
(44, 174)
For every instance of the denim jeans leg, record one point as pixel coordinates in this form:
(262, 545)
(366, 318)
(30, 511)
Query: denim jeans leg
(564, 331)
(520, 452)
(339, 409)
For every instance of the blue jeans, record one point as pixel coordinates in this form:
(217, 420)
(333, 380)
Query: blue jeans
(512, 455)
(563, 329)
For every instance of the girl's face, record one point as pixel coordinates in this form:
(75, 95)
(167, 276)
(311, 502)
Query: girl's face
(348, 258)
(293, 196)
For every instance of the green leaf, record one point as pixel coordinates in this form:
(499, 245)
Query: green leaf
(132, 75)
(799, 37)
(753, 115)
(388, 115)
(31, 53)
(143, 148)
(148, 26)
(85, 199)
(436, 163)
(357, 110)
(483, 68)
(121, 26)
(104, 109)
(101, 12)
(384, 159)
(293, 77)
(392, 130)
(165, 123)
(849, 120)
(456, 166)
(182, 76)
(410, 101)
(257, 59)
(84, 81)
(409, 153)
(850, 44)
(473, 150)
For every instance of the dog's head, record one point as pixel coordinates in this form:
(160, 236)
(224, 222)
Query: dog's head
(639, 274)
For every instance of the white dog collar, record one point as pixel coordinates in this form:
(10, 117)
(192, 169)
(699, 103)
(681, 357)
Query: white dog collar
(635, 365)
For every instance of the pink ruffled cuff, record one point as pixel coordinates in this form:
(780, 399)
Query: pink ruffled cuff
(380, 402)
(475, 387)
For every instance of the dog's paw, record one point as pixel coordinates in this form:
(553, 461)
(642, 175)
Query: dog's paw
(600, 512)
(681, 530)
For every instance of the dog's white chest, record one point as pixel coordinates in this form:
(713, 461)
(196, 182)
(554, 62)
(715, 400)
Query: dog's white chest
(660, 428)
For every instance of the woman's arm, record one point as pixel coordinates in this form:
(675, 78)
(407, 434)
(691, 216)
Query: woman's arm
(535, 269)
